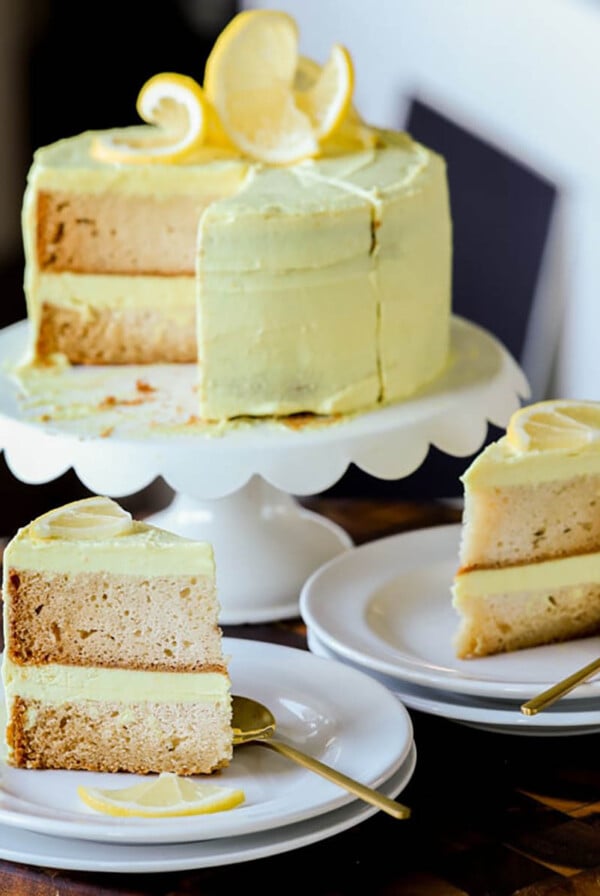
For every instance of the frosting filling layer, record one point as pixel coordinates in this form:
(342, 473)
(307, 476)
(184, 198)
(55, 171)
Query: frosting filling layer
(550, 574)
(82, 292)
(54, 683)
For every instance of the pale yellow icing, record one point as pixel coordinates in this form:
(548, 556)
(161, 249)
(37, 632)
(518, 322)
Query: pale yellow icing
(362, 264)
(55, 684)
(501, 465)
(86, 292)
(142, 551)
(69, 165)
(560, 573)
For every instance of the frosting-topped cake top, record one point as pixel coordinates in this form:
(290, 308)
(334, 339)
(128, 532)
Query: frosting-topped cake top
(543, 441)
(96, 533)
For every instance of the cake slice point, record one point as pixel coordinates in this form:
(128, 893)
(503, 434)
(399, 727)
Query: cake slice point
(113, 651)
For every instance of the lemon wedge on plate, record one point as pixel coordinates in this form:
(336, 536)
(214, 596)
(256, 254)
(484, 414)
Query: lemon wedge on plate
(89, 518)
(555, 425)
(181, 116)
(165, 796)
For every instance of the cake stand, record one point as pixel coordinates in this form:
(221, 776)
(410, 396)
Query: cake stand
(121, 428)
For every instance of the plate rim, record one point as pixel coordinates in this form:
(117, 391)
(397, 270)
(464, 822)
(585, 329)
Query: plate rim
(413, 671)
(481, 717)
(86, 825)
(243, 849)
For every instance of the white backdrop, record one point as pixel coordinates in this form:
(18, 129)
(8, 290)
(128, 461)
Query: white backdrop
(525, 76)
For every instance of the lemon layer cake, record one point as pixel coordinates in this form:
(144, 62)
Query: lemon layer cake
(314, 280)
(530, 545)
(113, 654)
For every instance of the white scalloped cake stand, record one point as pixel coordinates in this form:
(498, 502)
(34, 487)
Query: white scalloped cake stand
(120, 428)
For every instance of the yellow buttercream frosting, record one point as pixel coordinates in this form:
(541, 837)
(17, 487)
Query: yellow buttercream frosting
(325, 286)
(501, 465)
(68, 164)
(559, 573)
(86, 293)
(142, 550)
(54, 683)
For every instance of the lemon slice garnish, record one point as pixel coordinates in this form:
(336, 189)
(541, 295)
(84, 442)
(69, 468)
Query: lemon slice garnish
(555, 425)
(342, 126)
(327, 100)
(165, 796)
(177, 108)
(249, 79)
(259, 98)
(90, 518)
(307, 73)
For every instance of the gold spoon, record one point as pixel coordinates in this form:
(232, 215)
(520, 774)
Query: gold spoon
(254, 723)
(558, 690)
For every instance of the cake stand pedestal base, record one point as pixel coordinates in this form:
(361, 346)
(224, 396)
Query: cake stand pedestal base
(266, 545)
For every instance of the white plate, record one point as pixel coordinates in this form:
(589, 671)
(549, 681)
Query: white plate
(338, 714)
(499, 716)
(387, 606)
(81, 855)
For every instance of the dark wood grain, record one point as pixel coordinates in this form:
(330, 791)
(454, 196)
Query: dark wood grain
(493, 814)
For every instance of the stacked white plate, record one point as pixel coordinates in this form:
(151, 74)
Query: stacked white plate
(338, 714)
(385, 608)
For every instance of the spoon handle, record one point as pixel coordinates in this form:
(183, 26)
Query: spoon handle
(397, 810)
(556, 691)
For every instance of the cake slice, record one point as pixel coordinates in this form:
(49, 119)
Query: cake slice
(530, 543)
(113, 652)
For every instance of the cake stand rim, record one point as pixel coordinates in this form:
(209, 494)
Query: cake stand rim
(402, 431)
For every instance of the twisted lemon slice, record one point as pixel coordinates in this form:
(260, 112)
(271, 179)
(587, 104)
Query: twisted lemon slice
(90, 518)
(265, 109)
(341, 125)
(166, 796)
(177, 106)
(326, 98)
(249, 77)
(555, 425)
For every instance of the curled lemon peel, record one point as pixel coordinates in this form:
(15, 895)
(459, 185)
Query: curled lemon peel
(178, 113)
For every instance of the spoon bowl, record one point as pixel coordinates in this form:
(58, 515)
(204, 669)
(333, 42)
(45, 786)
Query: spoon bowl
(253, 722)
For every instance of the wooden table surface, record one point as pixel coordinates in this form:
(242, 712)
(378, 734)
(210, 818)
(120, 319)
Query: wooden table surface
(494, 814)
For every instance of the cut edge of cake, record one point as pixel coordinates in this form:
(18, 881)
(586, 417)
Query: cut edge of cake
(529, 557)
